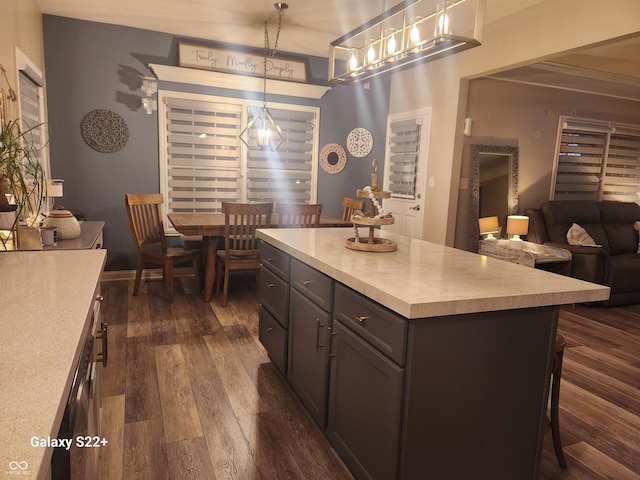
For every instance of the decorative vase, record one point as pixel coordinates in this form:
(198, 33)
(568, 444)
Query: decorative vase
(67, 225)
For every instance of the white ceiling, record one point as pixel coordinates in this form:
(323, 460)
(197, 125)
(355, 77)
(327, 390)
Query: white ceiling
(309, 26)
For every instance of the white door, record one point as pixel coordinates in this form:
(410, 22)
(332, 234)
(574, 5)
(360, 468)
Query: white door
(405, 170)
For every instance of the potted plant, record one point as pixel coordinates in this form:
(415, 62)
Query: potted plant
(22, 177)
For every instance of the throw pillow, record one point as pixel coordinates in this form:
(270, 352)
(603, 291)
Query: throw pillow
(637, 227)
(579, 236)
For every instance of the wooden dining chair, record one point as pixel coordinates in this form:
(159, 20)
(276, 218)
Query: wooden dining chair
(350, 206)
(241, 245)
(301, 215)
(145, 220)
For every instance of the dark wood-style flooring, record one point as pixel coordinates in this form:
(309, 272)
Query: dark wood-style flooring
(189, 392)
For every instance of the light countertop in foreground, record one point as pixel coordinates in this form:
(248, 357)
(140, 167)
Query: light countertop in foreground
(423, 279)
(44, 305)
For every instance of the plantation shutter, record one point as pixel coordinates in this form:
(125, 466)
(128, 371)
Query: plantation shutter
(203, 154)
(404, 148)
(596, 161)
(283, 175)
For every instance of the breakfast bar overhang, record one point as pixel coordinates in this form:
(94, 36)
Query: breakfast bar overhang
(444, 375)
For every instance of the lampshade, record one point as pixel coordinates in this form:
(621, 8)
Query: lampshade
(409, 33)
(54, 188)
(488, 225)
(517, 225)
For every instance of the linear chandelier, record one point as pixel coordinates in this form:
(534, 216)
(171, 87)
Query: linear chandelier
(268, 135)
(410, 33)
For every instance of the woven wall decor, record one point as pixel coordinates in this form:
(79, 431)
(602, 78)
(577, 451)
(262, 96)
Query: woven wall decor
(105, 131)
(360, 142)
(333, 158)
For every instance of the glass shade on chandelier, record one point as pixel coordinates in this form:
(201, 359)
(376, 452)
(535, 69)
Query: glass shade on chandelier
(149, 88)
(407, 34)
(262, 132)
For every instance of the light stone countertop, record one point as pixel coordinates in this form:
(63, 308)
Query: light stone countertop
(45, 300)
(423, 279)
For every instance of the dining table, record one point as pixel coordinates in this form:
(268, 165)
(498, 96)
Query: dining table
(210, 226)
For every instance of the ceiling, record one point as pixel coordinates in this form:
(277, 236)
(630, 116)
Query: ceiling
(611, 69)
(309, 26)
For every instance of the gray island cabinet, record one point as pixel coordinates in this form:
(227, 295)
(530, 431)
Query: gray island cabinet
(423, 363)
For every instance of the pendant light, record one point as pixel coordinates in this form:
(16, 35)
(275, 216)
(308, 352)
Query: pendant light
(408, 34)
(268, 135)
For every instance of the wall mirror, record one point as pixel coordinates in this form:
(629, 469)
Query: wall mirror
(494, 185)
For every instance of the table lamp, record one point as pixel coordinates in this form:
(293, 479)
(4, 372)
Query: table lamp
(517, 225)
(54, 190)
(488, 226)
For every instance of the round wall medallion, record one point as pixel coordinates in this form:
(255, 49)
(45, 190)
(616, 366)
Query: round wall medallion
(105, 131)
(333, 158)
(360, 142)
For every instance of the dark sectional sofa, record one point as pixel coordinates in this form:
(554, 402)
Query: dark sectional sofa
(611, 224)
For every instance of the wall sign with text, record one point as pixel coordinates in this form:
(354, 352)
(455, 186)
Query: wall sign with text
(239, 62)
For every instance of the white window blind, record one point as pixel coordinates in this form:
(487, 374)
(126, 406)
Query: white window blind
(284, 175)
(403, 158)
(30, 113)
(622, 175)
(203, 154)
(203, 162)
(596, 161)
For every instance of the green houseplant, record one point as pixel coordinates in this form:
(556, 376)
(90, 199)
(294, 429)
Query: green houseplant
(22, 176)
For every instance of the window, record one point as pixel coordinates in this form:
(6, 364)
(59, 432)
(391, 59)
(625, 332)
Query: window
(596, 160)
(31, 105)
(203, 162)
(404, 148)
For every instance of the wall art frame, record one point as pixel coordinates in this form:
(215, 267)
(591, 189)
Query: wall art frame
(242, 62)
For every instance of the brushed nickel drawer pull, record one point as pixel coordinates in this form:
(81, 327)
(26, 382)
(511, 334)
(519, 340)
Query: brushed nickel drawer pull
(360, 318)
(270, 329)
(271, 285)
(318, 327)
(328, 353)
(306, 282)
(103, 335)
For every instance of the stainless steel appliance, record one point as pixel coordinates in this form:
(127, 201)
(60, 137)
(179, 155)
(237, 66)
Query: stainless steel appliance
(81, 421)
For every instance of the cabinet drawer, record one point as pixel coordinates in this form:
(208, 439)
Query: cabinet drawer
(274, 294)
(313, 284)
(275, 259)
(382, 328)
(274, 339)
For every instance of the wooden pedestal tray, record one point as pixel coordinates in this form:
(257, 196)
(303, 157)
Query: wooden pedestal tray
(371, 243)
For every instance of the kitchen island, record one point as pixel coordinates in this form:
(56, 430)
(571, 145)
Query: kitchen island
(425, 362)
(46, 303)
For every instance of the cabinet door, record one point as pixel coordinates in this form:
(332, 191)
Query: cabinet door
(274, 339)
(365, 406)
(307, 371)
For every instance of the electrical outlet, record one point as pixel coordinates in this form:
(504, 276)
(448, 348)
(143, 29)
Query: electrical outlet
(432, 182)
(464, 183)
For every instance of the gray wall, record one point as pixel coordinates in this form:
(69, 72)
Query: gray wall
(526, 117)
(99, 66)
